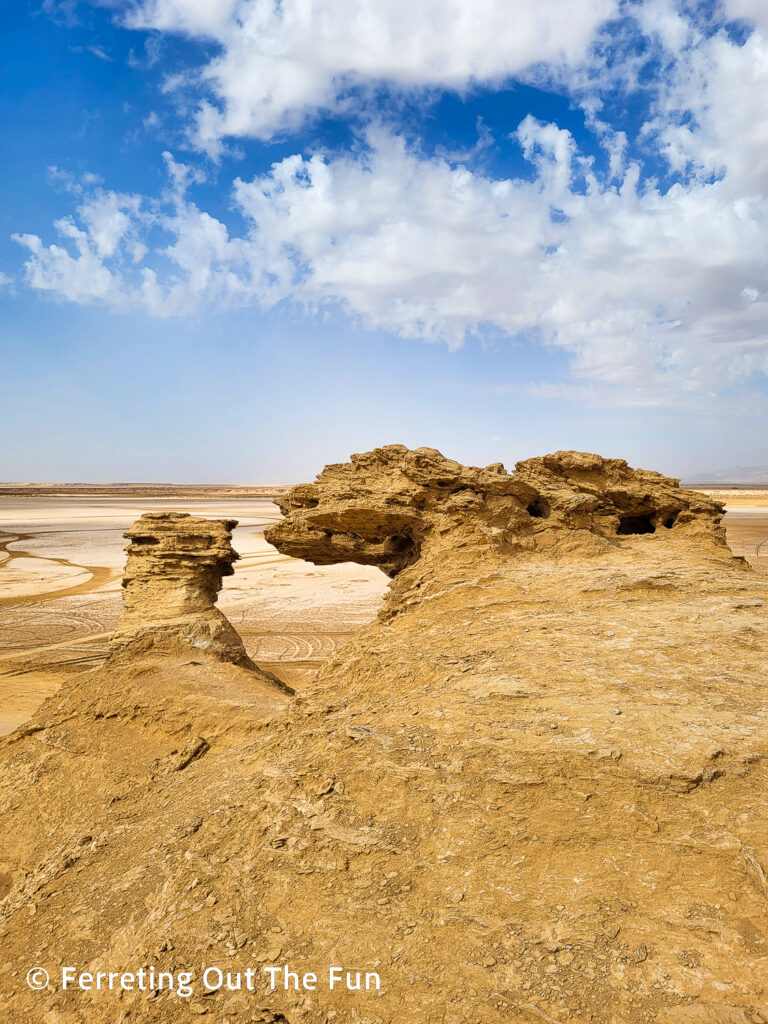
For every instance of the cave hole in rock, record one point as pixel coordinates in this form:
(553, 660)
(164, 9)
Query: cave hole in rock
(538, 509)
(669, 521)
(636, 524)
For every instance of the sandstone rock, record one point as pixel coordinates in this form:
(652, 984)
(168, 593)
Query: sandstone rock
(698, 1014)
(173, 574)
(611, 867)
(391, 507)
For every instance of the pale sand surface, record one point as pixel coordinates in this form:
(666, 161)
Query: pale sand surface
(754, 497)
(61, 562)
(746, 522)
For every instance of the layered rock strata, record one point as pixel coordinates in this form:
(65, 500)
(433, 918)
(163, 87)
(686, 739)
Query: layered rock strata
(396, 508)
(174, 571)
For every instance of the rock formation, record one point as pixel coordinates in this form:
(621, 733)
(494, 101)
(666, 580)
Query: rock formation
(173, 574)
(392, 506)
(396, 508)
(533, 790)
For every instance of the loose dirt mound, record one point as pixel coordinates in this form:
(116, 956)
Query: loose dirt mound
(533, 790)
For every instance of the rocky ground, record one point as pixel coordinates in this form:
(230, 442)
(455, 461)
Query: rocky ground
(532, 789)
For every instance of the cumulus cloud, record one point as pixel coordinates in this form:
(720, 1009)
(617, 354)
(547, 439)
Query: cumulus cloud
(641, 287)
(102, 258)
(659, 295)
(280, 60)
(754, 11)
(709, 117)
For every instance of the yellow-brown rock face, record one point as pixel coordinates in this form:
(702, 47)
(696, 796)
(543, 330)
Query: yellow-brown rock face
(533, 790)
(173, 575)
(393, 507)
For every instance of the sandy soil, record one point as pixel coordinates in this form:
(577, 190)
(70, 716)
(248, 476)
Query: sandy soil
(61, 562)
(738, 496)
(746, 522)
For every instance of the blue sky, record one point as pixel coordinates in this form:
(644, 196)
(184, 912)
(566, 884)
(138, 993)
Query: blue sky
(242, 238)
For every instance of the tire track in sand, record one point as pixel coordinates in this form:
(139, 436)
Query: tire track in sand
(99, 574)
(18, 654)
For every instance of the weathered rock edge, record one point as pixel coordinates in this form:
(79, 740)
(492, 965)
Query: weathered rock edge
(174, 571)
(533, 790)
(392, 507)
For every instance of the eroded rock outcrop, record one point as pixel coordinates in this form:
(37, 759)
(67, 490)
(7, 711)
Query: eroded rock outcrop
(532, 790)
(175, 567)
(394, 508)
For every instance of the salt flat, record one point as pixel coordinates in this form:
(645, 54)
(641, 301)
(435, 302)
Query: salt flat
(746, 523)
(61, 562)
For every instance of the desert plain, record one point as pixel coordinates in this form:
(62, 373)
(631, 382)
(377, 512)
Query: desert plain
(62, 554)
(61, 563)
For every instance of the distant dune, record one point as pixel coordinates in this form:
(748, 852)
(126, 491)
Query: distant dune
(738, 476)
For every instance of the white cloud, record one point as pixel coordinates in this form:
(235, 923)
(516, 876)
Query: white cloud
(76, 184)
(755, 11)
(79, 277)
(192, 260)
(664, 20)
(712, 118)
(658, 296)
(108, 219)
(106, 230)
(647, 291)
(195, 17)
(282, 59)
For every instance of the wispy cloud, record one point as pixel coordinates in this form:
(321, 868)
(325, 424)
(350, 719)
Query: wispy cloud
(97, 51)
